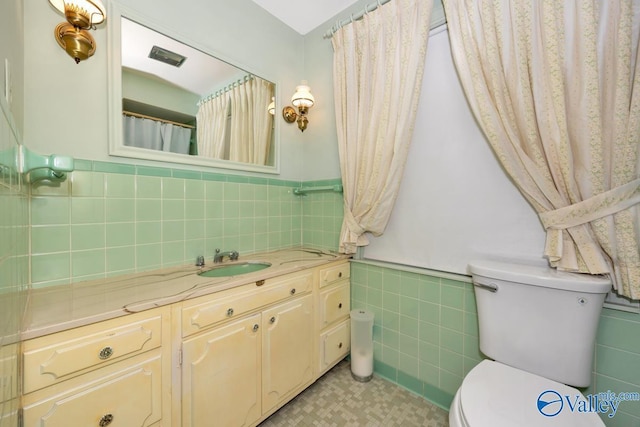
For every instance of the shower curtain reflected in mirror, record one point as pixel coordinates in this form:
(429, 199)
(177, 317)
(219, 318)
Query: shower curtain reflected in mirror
(155, 135)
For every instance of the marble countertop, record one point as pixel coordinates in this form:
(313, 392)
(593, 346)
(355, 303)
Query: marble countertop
(63, 307)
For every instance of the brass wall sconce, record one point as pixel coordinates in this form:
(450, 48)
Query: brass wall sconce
(73, 36)
(303, 100)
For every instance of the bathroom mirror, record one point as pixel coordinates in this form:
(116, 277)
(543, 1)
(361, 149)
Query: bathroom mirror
(173, 101)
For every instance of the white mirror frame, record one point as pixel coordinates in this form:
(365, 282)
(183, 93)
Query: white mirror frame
(116, 140)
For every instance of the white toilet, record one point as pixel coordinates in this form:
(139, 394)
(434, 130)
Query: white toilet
(539, 327)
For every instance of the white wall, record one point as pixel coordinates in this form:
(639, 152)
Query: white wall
(11, 49)
(66, 104)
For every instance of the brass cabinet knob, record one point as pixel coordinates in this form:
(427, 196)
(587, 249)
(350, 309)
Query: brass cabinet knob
(105, 353)
(272, 320)
(105, 420)
(230, 312)
(255, 327)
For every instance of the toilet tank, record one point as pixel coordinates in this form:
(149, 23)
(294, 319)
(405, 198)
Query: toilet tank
(538, 319)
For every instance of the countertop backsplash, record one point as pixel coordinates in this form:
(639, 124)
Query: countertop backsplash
(111, 219)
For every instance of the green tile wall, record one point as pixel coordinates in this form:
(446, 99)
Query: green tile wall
(109, 219)
(14, 232)
(426, 336)
(322, 216)
(14, 264)
(617, 363)
(425, 328)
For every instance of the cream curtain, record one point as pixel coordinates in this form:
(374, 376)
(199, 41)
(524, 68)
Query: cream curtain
(241, 147)
(213, 126)
(262, 120)
(377, 68)
(555, 87)
(250, 121)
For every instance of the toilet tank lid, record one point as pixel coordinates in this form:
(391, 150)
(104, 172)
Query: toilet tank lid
(537, 275)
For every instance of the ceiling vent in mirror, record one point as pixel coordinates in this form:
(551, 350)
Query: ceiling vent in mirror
(166, 56)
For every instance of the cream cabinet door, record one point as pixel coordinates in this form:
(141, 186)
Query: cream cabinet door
(8, 372)
(221, 375)
(287, 350)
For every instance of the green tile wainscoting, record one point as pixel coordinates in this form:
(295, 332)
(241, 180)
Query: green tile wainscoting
(322, 215)
(14, 219)
(426, 335)
(109, 219)
(14, 268)
(14, 234)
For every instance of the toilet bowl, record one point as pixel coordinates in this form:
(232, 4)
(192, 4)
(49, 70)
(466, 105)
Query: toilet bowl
(496, 395)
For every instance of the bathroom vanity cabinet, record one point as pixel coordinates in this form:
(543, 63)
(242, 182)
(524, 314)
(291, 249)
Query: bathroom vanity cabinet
(226, 358)
(241, 370)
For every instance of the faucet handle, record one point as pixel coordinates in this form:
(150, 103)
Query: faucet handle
(200, 261)
(233, 256)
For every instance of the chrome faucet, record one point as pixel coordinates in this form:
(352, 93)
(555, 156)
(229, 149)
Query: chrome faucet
(218, 257)
(200, 261)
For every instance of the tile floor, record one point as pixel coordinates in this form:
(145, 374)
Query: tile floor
(337, 400)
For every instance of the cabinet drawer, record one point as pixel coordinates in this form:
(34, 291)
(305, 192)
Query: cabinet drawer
(131, 396)
(333, 274)
(206, 311)
(335, 344)
(57, 357)
(335, 303)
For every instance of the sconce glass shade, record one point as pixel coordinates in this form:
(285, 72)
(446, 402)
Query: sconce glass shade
(82, 14)
(271, 109)
(303, 97)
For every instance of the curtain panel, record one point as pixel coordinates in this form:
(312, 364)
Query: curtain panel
(142, 133)
(555, 88)
(213, 129)
(378, 66)
(235, 125)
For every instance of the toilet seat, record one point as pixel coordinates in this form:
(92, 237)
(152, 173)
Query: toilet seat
(497, 395)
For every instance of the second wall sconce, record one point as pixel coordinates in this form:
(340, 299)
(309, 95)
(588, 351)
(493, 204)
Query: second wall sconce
(73, 36)
(303, 100)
